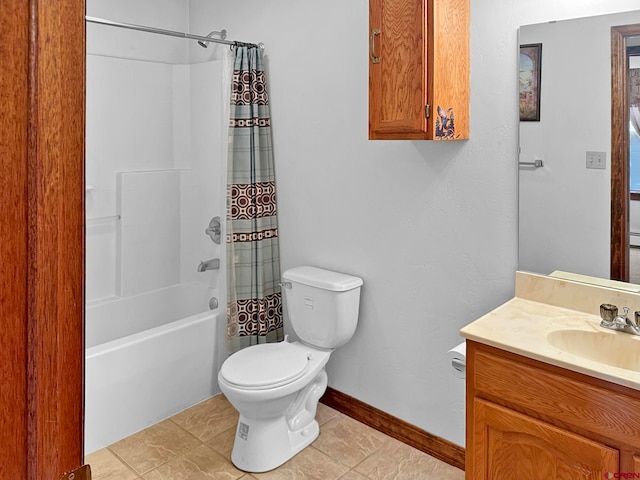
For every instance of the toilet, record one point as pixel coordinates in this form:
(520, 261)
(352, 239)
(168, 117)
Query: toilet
(276, 386)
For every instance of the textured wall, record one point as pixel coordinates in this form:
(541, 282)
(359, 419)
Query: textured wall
(430, 227)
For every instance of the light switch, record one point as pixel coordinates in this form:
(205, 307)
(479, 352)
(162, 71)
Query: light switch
(597, 160)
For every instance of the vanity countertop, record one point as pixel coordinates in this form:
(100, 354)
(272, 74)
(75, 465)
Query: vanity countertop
(542, 308)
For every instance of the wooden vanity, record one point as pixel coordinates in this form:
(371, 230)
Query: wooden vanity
(530, 420)
(534, 412)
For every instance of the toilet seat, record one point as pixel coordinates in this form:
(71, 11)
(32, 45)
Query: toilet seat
(265, 366)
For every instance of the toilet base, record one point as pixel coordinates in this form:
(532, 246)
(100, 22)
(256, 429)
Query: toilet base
(264, 444)
(271, 430)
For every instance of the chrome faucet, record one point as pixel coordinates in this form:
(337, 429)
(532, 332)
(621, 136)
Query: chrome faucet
(212, 264)
(214, 230)
(619, 323)
(634, 324)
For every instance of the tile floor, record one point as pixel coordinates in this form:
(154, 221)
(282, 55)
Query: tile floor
(196, 444)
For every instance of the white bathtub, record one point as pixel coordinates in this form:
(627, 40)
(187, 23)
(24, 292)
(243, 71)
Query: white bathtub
(147, 357)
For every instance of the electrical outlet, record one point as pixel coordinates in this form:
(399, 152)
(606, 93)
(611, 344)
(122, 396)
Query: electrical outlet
(596, 160)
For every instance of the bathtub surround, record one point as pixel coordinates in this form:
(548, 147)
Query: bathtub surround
(156, 169)
(254, 309)
(148, 232)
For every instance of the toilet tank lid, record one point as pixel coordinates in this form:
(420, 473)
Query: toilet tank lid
(321, 278)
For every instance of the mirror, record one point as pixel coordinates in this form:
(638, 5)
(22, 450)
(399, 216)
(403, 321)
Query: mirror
(565, 204)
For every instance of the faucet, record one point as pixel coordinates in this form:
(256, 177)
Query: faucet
(211, 264)
(634, 324)
(214, 230)
(619, 323)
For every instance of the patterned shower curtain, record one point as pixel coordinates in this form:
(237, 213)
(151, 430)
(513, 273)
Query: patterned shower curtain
(254, 302)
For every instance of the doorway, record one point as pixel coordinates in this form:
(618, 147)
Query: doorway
(42, 138)
(621, 191)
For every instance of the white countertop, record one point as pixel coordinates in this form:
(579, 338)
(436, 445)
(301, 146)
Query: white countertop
(524, 325)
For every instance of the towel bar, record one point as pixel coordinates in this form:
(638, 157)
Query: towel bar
(535, 164)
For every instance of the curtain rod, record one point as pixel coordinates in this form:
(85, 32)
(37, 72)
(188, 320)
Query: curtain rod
(142, 28)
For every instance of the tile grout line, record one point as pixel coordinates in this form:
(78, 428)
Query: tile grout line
(186, 430)
(180, 455)
(122, 461)
(140, 475)
(337, 418)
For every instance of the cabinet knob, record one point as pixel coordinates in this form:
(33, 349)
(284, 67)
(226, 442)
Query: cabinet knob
(372, 45)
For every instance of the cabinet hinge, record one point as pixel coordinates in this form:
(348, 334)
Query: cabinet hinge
(81, 473)
(427, 110)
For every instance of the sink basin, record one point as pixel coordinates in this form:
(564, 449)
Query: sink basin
(615, 349)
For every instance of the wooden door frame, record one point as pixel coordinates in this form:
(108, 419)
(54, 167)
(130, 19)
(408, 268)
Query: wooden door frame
(42, 248)
(620, 151)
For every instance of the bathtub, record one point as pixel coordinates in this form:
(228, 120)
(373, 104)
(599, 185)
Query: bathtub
(148, 357)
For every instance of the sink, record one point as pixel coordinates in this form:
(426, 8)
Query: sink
(615, 349)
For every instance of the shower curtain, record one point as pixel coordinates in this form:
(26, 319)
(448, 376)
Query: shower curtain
(254, 305)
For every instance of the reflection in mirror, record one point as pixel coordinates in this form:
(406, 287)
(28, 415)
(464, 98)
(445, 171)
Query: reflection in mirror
(564, 206)
(633, 52)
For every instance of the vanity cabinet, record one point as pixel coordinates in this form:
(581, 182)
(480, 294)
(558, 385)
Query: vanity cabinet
(419, 69)
(519, 446)
(527, 419)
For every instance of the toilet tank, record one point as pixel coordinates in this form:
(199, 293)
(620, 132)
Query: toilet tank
(322, 305)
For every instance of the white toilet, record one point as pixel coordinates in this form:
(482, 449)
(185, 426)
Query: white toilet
(276, 386)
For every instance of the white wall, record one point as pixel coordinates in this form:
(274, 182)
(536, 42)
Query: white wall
(112, 41)
(430, 227)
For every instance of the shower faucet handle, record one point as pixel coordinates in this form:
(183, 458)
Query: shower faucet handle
(214, 230)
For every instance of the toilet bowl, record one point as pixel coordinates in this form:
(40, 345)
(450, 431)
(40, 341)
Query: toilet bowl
(277, 405)
(276, 386)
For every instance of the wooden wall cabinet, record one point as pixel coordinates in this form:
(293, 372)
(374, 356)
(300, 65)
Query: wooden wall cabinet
(419, 69)
(529, 420)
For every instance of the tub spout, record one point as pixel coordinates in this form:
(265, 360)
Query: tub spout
(212, 264)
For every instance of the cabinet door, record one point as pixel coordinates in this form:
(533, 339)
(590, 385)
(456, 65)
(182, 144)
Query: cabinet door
(397, 89)
(508, 444)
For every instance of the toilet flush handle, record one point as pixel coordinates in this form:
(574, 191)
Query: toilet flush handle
(286, 284)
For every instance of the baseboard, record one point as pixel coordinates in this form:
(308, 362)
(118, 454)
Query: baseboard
(394, 427)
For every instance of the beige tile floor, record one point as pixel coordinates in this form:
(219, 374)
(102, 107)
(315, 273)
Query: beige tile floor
(196, 445)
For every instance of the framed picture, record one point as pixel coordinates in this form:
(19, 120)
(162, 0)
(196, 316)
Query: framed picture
(530, 66)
